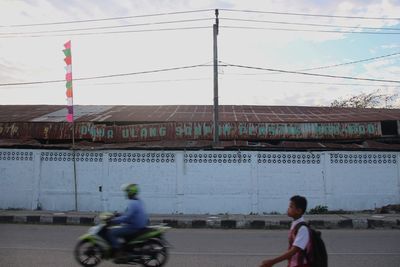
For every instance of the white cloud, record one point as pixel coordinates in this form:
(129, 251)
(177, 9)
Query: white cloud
(390, 46)
(31, 59)
(383, 69)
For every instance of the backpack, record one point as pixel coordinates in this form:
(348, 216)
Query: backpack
(317, 256)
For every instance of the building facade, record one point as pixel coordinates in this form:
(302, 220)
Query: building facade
(341, 158)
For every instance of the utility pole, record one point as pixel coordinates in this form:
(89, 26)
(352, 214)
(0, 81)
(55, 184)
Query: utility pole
(215, 34)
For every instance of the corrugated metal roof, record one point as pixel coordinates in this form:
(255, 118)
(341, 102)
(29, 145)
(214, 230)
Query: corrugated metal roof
(194, 113)
(191, 127)
(17, 113)
(368, 145)
(79, 111)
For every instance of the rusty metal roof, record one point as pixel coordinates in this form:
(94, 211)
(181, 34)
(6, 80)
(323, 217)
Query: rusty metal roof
(367, 145)
(194, 113)
(190, 127)
(16, 113)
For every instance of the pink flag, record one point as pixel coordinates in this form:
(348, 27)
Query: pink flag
(67, 45)
(68, 77)
(70, 117)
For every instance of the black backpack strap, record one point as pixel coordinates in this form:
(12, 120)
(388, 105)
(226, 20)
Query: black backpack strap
(303, 252)
(300, 224)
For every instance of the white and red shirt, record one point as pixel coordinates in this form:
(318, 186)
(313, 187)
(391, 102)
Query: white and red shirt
(300, 240)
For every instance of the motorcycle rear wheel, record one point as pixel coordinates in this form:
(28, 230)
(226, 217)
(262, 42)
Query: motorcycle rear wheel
(88, 254)
(155, 253)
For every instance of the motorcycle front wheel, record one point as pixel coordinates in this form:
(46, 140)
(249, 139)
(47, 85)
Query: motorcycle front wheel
(88, 254)
(155, 253)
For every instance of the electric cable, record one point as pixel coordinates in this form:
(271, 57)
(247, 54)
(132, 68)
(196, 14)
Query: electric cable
(318, 83)
(304, 30)
(312, 74)
(107, 19)
(308, 15)
(112, 32)
(351, 62)
(310, 24)
(108, 27)
(336, 65)
(106, 76)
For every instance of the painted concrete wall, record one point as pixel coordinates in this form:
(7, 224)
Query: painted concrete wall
(198, 181)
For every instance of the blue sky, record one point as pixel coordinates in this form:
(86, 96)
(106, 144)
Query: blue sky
(26, 59)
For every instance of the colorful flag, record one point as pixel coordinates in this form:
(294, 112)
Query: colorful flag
(68, 78)
(67, 45)
(69, 93)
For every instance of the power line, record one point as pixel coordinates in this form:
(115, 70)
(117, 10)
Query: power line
(128, 82)
(322, 83)
(312, 74)
(352, 62)
(307, 14)
(141, 72)
(304, 30)
(227, 78)
(111, 32)
(105, 76)
(194, 11)
(340, 64)
(107, 19)
(109, 27)
(155, 81)
(310, 24)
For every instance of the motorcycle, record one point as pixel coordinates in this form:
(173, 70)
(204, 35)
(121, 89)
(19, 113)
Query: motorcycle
(146, 247)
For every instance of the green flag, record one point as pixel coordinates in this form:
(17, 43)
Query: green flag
(67, 52)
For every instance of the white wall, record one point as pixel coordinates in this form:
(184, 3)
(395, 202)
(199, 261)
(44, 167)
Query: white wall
(284, 174)
(198, 181)
(362, 180)
(17, 179)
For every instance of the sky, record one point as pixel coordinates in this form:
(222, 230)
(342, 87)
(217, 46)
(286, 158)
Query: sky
(257, 36)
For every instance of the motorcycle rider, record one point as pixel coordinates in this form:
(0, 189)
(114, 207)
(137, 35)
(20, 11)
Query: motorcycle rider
(130, 222)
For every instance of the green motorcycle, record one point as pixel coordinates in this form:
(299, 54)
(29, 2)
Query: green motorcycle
(146, 247)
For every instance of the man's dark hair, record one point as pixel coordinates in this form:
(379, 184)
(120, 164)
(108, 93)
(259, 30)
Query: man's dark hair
(300, 202)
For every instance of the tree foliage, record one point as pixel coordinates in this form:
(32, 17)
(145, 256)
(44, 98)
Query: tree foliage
(375, 99)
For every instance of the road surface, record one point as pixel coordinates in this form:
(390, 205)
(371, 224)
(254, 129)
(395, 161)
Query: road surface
(52, 245)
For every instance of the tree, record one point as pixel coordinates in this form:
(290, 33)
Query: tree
(375, 99)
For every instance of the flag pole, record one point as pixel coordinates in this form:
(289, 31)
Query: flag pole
(73, 155)
(74, 161)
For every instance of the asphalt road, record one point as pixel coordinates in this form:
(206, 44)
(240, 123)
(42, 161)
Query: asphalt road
(51, 245)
